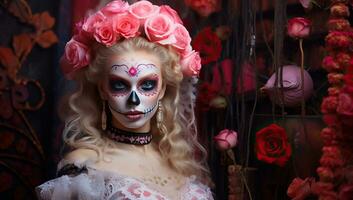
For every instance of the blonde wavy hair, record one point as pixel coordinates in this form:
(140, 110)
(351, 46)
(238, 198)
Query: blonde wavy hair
(176, 138)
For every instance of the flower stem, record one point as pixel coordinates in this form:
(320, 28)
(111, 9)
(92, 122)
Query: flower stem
(231, 155)
(302, 77)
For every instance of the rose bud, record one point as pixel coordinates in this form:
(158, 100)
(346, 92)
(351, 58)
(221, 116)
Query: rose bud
(298, 27)
(226, 139)
(218, 102)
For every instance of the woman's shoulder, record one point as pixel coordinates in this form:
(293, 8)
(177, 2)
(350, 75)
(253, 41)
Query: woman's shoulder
(76, 161)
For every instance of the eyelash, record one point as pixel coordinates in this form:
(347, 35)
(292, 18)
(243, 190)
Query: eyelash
(148, 85)
(113, 84)
(145, 86)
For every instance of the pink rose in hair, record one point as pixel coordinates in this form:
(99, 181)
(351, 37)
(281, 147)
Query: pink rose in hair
(115, 7)
(93, 21)
(182, 37)
(171, 13)
(76, 54)
(126, 25)
(191, 64)
(143, 10)
(226, 139)
(159, 28)
(105, 34)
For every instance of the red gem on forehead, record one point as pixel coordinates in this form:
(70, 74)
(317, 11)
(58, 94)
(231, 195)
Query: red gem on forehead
(132, 71)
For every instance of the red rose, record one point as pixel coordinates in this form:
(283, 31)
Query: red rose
(333, 91)
(338, 39)
(328, 135)
(331, 157)
(329, 104)
(345, 105)
(343, 59)
(339, 10)
(298, 27)
(329, 64)
(204, 7)
(208, 44)
(334, 78)
(272, 145)
(338, 25)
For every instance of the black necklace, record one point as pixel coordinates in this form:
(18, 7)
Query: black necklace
(128, 137)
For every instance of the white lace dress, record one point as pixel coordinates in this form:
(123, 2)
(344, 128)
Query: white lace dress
(101, 185)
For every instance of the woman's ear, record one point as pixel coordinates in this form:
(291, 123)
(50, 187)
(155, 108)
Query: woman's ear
(162, 92)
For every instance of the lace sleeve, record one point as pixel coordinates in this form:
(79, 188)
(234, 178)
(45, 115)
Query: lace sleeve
(195, 190)
(80, 187)
(73, 182)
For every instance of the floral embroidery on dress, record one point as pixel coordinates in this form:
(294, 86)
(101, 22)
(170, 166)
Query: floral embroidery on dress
(111, 186)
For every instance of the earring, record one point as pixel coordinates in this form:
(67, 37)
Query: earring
(104, 117)
(160, 116)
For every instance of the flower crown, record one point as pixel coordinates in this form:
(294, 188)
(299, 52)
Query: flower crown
(117, 21)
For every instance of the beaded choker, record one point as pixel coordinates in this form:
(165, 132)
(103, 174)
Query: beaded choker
(128, 137)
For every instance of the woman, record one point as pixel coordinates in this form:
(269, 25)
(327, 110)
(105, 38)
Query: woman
(130, 125)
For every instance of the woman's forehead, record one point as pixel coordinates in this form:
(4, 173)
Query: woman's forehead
(134, 58)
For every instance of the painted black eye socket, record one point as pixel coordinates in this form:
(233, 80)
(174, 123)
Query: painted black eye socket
(117, 85)
(148, 85)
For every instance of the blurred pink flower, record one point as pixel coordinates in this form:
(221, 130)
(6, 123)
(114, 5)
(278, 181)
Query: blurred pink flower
(226, 139)
(204, 7)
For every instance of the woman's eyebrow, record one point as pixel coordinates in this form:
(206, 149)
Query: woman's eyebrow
(117, 77)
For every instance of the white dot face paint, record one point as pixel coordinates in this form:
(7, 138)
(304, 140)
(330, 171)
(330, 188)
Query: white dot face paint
(133, 86)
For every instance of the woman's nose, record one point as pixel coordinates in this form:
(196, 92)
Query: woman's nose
(133, 99)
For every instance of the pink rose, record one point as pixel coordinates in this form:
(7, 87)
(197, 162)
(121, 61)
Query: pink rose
(105, 34)
(77, 53)
(191, 64)
(92, 21)
(226, 139)
(329, 104)
(298, 27)
(159, 28)
(126, 25)
(345, 104)
(166, 10)
(76, 56)
(182, 37)
(143, 10)
(115, 7)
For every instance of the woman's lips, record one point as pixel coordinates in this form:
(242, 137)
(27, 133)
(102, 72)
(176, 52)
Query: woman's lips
(133, 115)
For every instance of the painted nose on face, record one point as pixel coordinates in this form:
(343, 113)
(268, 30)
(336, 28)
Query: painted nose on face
(133, 99)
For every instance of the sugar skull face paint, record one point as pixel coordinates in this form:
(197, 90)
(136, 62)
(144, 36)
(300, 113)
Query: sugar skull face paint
(133, 87)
